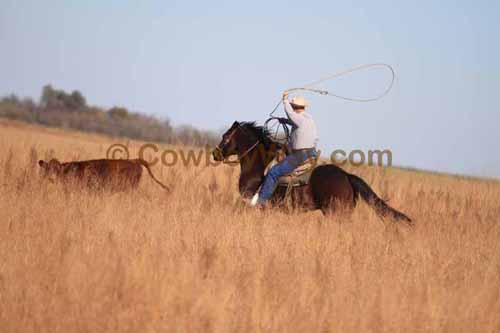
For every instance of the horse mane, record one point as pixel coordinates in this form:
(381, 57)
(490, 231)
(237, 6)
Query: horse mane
(260, 132)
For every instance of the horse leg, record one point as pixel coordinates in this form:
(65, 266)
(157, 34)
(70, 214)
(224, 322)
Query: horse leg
(332, 191)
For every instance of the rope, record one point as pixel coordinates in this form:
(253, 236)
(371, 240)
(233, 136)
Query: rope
(308, 87)
(276, 128)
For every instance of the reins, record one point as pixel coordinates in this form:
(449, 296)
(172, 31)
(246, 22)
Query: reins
(227, 161)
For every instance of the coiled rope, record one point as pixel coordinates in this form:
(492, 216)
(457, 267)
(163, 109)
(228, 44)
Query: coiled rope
(309, 87)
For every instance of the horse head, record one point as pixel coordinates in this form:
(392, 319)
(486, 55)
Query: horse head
(246, 138)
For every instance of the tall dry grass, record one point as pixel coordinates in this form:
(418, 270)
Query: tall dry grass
(195, 261)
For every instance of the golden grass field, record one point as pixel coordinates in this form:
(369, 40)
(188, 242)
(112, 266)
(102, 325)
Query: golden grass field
(196, 261)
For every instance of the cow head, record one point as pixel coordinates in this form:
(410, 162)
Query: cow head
(50, 169)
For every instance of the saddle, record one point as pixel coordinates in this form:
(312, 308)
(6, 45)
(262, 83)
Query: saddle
(301, 174)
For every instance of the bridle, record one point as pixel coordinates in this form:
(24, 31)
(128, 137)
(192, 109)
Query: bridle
(226, 141)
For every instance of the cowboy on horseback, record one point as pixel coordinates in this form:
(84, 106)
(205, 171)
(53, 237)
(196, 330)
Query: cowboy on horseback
(327, 185)
(302, 145)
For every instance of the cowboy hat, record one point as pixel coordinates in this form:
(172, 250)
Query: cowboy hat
(299, 101)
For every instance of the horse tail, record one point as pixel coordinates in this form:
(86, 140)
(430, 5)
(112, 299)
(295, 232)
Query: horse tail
(146, 165)
(382, 209)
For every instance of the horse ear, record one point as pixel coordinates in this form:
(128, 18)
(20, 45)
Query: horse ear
(41, 163)
(236, 123)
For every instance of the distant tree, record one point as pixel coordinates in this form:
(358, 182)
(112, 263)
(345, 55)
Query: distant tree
(11, 99)
(27, 102)
(75, 101)
(49, 98)
(59, 99)
(118, 112)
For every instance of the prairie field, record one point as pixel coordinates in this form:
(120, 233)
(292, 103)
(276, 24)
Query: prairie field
(196, 260)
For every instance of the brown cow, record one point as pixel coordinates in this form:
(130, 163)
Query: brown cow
(115, 175)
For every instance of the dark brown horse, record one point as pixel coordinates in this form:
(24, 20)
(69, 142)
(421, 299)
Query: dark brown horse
(330, 188)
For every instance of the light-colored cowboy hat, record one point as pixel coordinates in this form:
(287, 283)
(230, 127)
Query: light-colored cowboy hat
(299, 101)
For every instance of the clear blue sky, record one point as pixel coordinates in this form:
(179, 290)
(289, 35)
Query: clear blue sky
(209, 63)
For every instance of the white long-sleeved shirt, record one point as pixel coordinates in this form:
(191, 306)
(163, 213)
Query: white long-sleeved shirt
(304, 132)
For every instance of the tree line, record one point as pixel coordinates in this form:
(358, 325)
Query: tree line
(58, 108)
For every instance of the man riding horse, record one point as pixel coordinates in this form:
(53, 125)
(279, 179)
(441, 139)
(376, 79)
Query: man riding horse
(302, 146)
(327, 187)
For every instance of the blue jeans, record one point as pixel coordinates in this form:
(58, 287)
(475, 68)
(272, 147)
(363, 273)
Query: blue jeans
(285, 167)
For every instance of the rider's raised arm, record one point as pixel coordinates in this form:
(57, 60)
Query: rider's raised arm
(294, 117)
